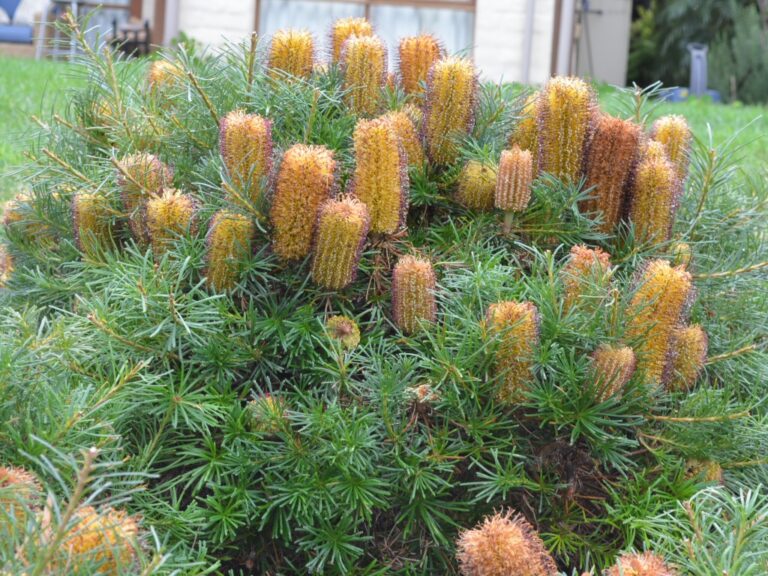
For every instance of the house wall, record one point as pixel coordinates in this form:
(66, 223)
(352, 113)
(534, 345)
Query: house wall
(212, 22)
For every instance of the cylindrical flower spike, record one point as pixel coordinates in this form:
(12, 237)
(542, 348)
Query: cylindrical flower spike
(345, 330)
(345, 28)
(526, 132)
(163, 74)
(514, 179)
(657, 308)
(168, 217)
(566, 111)
(380, 179)
(674, 133)
(229, 243)
(342, 225)
(245, 141)
(141, 176)
(19, 492)
(586, 276)
(503, 545)
(406, 131)
(364, 61)
(450, 107)
(477, 186)
(645, 564)
(612, 367)
(291, 52)
(690, 345)
(413, 294)
(6, 265)
(306, 179)
(516, 324)
(417, 55)
(92, 222)
(655, 195)
(612, 157)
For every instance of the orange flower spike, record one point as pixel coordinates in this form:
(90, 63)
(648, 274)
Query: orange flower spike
(229, 243)
(413, 294)
(163, 74)
(675, 134)
(245, 142)
(586, 276)
(655, 196)
(514, 180)
(345, 28)
(689, 356)
(291, 52)
(20, 491)
(645, 564)
(417, 55)
(168, 217)
(364, 61)
(106, 540)
(406, 131)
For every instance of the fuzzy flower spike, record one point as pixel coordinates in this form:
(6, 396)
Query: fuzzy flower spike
(413, 294)
(291, 52)
(245, 142)
(343, 29)
(655, 196)
(364, 62)
(229, 243)
(417, 55)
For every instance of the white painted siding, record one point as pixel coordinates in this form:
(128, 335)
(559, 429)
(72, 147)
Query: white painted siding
(214, 22)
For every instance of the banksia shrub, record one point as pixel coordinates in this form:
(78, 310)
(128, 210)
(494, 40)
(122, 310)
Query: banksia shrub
(413, 294)
(228, 244)
(245, 142)
(566, 110)
(516, 325)
(364, 61)
(656, 309)
(417, 55)
(19, 491)
(91, 219)
(140, 176)
(342, 225)
(305, 180)
(406, 131)
(450, 107)
(612, 368)
(673, 132)
(526, 132)
(380, 179)
(345, 28)
(645, 564)
(292, 52)
(503, 545)
(344, 330)
(163, 74)
(689, 355)
(611, 159)
(477, 186)
(655, 195)
(105, 540)
(267, 414)
(514, 180)
(168, 217)
(586, 276)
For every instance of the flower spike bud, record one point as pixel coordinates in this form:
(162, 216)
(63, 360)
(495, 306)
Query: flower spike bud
(229, 243)
(413, 294)
(682, 254)
(106, 540)
(566, 111)
(612, 368)
(305, 180)
(612, 157)
(516, 324)
(267, 414)
(141, 176)
(406, 131)
(674, 133)
(342, 225)
(345, 330)
(292, 52)
(586, 276)
(450, 107)
(655, 195)
(163, 74)
(690, 345)
(645, 564)
(417, 55)
(477, 186)
(514, 180)
(245, 141)
(92, 222)
(6, 266)
(343, 29)
(526, 132)
(168, 217)
(657, 308)
(364, 61)
(19, 491)
(380, 179)
(503, 545)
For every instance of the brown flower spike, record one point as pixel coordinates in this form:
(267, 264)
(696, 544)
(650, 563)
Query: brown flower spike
(477, 186)
(417, 54)
(413, 294)
(364, 62)
(229, 243)
(514, 180)
(613, 367)
(168, 217)
(645, 564)
(689, 356)
(245, 142)
(291, 52)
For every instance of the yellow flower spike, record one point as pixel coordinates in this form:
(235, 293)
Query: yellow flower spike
(229, 243)
(417, 55)
(380, 179)
(245, 142)
(92, 222)
(689, 354)
(503, 545)
(105, 540)
(292, 52)
(682, 254)
(364, 62)
(645, 564)
(655, 196)
(168, 217)
(586, 276)
(517, 326)
(611, 159)
(19, 491)
(141, 176)
(163, 74)
(406, 131)
(413, 294)
(708, 470)
(656, 309)
(345, 28)
(6, 266)
(345, 330)
(674, 133)
(450, 107)
(268, 413)
(342, 226)
(566, 111)
(612, 367)
(526, 132)
(305, 180)
(477, 186)
(514, 180)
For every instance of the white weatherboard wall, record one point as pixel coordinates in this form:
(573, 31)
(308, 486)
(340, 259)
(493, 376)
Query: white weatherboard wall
(213, 22)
